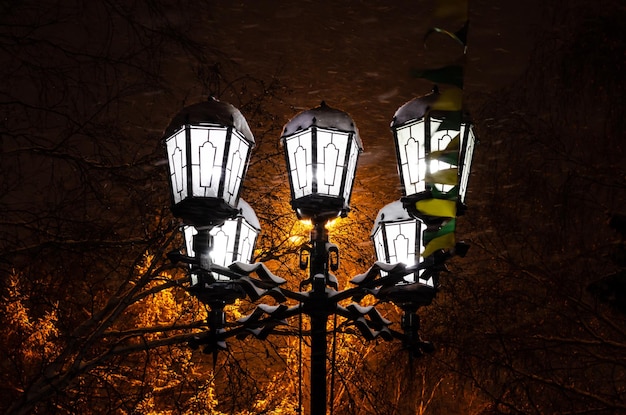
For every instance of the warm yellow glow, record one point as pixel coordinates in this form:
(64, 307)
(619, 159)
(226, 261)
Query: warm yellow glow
(297, 239)
(307, 224)
(300, 232)
(332, 223)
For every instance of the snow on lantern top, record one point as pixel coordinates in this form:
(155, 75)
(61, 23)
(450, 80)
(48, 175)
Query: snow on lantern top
(248, 214)
(323, 117)
(392, 212)
(413, 110)
(211, 111)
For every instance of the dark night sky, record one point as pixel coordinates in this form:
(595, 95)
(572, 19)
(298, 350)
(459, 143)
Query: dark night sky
(357, 56)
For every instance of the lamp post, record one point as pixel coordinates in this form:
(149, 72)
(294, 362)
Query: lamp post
(208, 147)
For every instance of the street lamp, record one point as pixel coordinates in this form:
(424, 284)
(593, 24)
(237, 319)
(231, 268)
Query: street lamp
(434, 149)
(208, 147)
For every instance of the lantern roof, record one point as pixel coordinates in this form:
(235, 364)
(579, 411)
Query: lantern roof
(211, 111)
(248, 214)
(392, 212)
(324, 117)
(414, 109)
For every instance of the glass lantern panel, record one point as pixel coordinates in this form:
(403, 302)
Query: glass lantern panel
(188, 233)
(354, 156)
(467, 159)
(223, 245)
(401, 240)
(300, 158)
(379, 245)
(238, 150)
(331, 156)
(176, 147)
(194, 279)
(207, 153)
(439, 140)
(412, 163)
(247, 241)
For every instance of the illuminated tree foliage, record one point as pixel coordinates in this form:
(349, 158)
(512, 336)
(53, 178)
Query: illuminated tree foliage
(93, 317)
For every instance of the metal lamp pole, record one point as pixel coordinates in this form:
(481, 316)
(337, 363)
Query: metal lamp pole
(318, 311)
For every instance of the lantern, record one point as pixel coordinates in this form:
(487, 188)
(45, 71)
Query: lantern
(397, 238)
(322, 146)
(232, 241)
(208, 149)
(434, 149)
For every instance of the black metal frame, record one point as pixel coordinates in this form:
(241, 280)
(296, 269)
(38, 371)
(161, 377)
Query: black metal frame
(320, 205)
